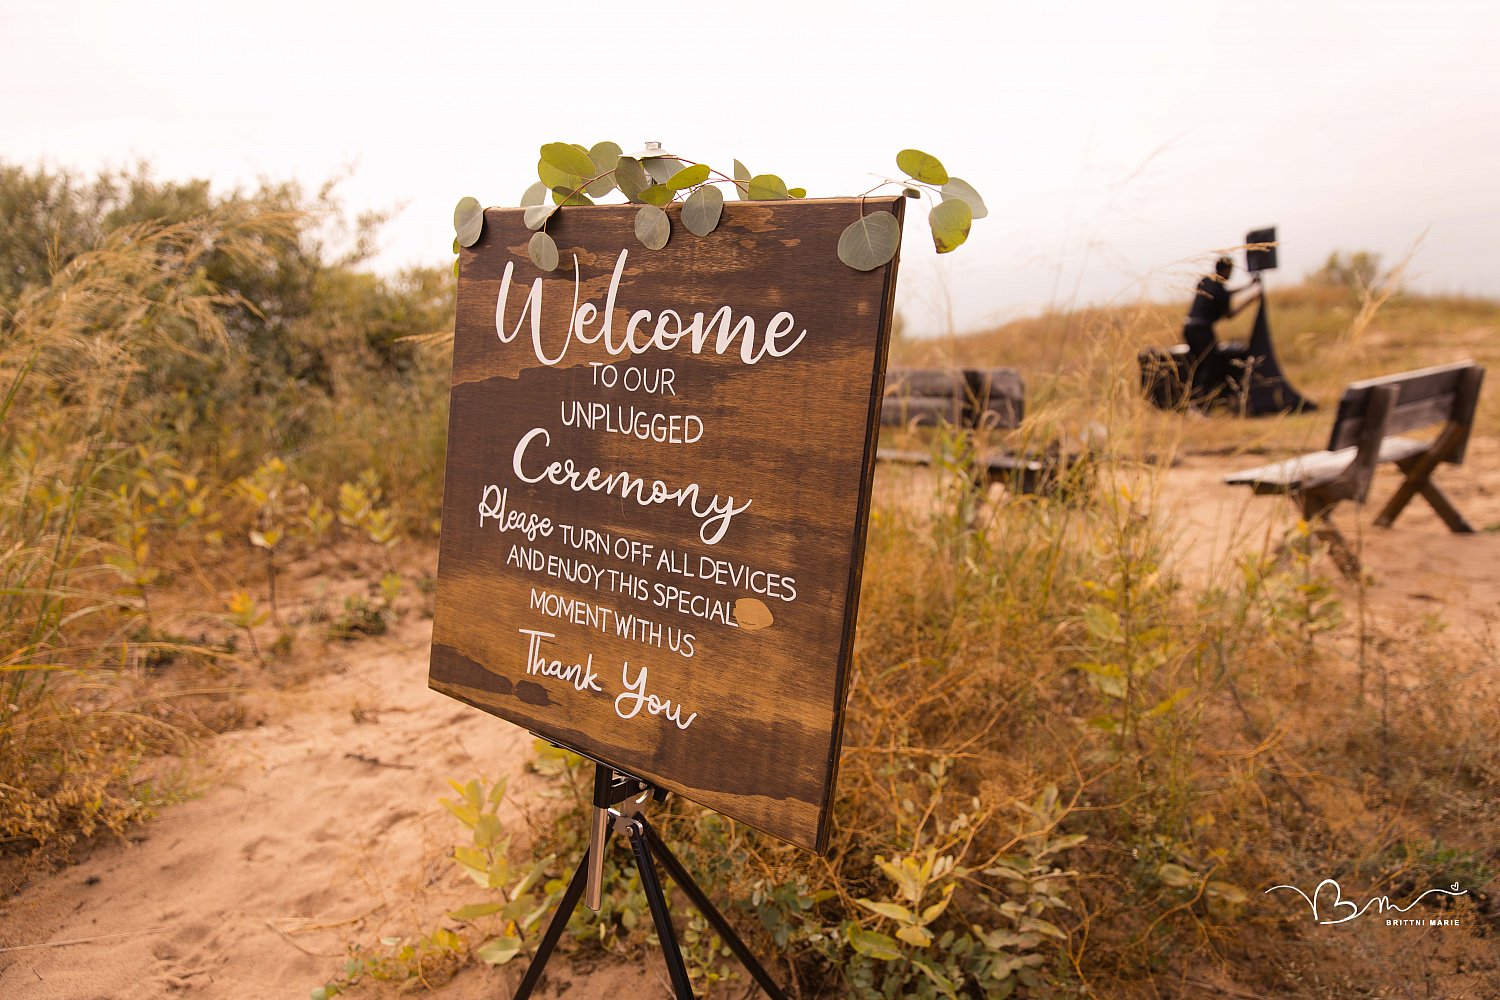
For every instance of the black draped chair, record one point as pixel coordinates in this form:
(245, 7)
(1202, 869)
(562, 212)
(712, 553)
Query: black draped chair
(1245, 378)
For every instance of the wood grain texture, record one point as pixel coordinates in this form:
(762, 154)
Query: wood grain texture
(748, 634)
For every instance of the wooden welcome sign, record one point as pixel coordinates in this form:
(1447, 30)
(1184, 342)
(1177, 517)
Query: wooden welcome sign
(658, 477)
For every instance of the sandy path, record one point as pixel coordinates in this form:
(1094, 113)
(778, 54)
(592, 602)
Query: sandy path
(1416, 568)
(293, 848)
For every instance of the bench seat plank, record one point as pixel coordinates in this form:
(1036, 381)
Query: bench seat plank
(1319, 467)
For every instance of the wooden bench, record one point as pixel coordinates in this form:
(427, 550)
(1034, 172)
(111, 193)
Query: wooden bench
(975, 401)
(1371, 416)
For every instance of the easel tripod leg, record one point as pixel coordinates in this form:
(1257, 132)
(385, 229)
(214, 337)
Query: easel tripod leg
(555, 929)
(657, 901)
(705, 906)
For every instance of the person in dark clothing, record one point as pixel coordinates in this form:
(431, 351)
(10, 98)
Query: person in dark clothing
(1213, 300)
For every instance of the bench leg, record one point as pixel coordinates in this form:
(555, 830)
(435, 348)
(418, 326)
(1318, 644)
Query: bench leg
(1316, 511)
(1418, 470)
(1419, 480)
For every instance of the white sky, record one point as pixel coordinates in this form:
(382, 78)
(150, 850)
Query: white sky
(1116, 144)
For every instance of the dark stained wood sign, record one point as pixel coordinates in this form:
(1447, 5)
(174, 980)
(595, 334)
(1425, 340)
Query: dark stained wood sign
(659, 467)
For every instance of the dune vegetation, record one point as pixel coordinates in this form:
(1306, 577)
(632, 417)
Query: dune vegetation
(1074, 762)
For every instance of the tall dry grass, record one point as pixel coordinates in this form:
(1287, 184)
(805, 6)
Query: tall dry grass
(156, 426)
(76, 709)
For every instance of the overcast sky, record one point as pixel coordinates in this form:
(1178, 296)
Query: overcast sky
(1116, 144)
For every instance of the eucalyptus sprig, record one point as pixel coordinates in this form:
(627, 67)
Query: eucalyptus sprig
(572, 175)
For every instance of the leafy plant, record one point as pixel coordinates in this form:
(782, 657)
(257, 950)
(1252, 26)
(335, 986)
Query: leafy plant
(572, 174)
(269, 491)
(399, 960)
(486, 860)
(359, 617)
(360, 509)
(245, 614)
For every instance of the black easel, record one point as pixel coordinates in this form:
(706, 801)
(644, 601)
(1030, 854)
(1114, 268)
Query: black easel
(619, 800)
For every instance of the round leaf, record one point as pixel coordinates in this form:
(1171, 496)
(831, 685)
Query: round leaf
(468, 221)
(543, 251)
(605, 155)
(630, 177)
(923, 166)
(455, 244)
(741, 180)
(661, 168)
(701, 211)
(555, 178)
(870, 241)
(652, 227)
(656, 194)
(767, 187)
(956, 188)
(568, 158)
(688, 177)
(535, 215)
(535, 195)
(950, 222)
(797, 192)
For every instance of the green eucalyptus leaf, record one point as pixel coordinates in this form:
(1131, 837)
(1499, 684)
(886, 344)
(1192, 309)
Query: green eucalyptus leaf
(661, 168)
(688, 177)
(797, 192)
(543, 251)
(701, 211)
(958, 188)
(535, 195)
(568, 158)
(630, 177)
(552, 177)
(922, 166)
(767, 187)
(570, 196)
(656, 194)
(536, 215)
(604, 155)
(950, 222)
(741, 181)
(455, 244)
(652, 227)
(870, 241)
(912, 193)
(468, 221)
